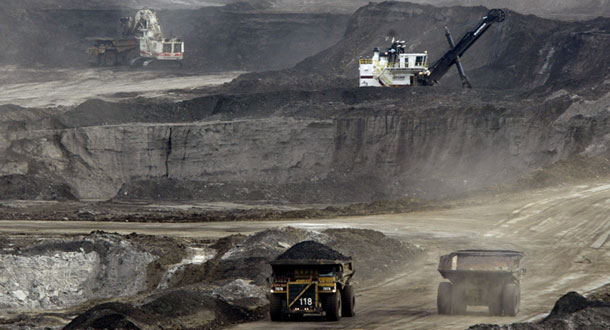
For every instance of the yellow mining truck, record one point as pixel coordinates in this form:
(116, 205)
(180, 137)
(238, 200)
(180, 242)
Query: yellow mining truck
(311, 287)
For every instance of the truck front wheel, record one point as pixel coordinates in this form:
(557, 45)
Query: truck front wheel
(443, 298)
(349, 301)
(109, 58)
(130, 56)
(94, 58)
(332, 306)
(511, 299)
(275, 307)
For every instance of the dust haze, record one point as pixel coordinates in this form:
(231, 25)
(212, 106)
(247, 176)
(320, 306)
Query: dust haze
(157, 197)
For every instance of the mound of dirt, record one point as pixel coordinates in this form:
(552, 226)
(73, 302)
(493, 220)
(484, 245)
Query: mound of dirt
(179, 309)
(373, 252)
(243, 294)
(30, 187)
(244, 257)
(226, 289)
(248, 258)
(602, 294)
(311, 250)
(572, 311)
(573, 302)
(105, 316)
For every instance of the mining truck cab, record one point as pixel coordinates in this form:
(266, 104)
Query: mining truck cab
(480, 278)
(304, 287)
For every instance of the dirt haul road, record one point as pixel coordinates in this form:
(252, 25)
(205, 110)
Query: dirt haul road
(69, 87)
(563, 232)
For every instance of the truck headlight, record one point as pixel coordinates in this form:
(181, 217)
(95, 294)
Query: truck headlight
(327, 288)
(278, 288)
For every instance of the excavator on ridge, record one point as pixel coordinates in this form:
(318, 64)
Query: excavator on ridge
(395, 68)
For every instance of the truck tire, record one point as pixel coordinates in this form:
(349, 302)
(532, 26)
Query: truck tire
(275, 307)
(130, 55)
(109, 58)
(458, 301)
(511, 299)
(443, 298)
(348, 298)
(333, 306)
(494, 301)
(94, 59)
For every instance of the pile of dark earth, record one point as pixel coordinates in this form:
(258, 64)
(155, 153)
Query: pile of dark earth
(571, 312)
(229, 288)
(176, 309)
(239, 256)
(523, 52)
(311, 250)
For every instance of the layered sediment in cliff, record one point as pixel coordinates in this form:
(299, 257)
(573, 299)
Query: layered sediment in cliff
(423, 142)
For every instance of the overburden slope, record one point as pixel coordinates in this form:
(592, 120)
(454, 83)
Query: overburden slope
(523, 52)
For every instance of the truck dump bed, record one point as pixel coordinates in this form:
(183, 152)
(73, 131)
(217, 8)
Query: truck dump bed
(306, 262)
(345, 267)
(480, 261)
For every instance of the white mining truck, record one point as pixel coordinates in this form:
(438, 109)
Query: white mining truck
(480, 278)
(395, 68)
(142, 43)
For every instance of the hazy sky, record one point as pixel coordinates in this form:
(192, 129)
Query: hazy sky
(551, 8)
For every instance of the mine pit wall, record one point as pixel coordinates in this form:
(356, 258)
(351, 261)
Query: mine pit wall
(273, 151)
(377, 154)
(441, 154)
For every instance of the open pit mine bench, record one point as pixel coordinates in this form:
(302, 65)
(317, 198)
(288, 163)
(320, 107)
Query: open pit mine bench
(311, 287)
(480, 278)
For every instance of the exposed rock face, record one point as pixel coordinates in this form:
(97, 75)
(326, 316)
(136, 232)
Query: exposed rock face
(46, 281)
(235, 151)
(53, 274)
(427, 143)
